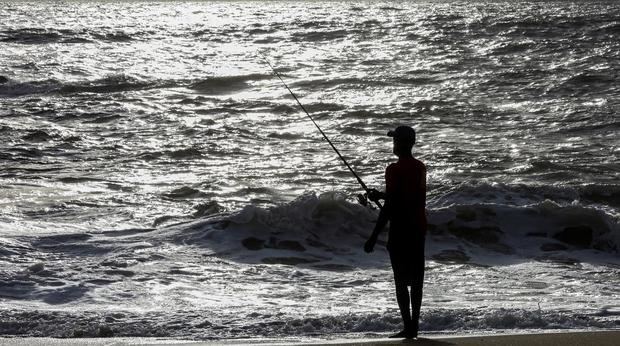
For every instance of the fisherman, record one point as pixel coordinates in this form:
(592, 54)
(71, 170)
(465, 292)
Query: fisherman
(405, 201)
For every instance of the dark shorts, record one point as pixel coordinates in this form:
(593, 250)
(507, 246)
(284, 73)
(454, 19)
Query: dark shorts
(408, 262)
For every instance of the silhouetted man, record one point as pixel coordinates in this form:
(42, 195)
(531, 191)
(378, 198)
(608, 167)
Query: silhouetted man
(405, 202)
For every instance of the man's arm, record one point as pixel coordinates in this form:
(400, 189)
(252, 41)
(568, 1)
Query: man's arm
(384, 214)
(379, 226)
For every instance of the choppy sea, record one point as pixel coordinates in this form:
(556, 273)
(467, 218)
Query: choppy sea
(157, 180)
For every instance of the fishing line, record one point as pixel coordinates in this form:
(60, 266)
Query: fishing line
(359, 180)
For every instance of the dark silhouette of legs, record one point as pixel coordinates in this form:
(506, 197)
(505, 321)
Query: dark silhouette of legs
(416, 299)
(403, 299)
(408, 269)
(417, 284)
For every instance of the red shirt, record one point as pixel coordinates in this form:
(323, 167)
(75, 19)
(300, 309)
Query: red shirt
(405, 183)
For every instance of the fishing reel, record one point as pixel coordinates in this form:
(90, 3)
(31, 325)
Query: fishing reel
(362, 199)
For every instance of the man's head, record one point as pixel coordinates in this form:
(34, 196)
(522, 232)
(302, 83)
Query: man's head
(404, 139)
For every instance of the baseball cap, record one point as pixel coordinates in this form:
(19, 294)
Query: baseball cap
(403, 133)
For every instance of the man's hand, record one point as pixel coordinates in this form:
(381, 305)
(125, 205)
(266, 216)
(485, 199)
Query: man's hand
(375, 195)
(370, 244)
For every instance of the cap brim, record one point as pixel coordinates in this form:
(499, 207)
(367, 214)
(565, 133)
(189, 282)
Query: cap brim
(391, 133)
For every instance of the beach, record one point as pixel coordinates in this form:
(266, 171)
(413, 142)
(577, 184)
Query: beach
(599, 338)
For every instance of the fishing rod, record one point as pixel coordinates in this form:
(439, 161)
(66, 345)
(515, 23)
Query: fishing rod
(359, 180)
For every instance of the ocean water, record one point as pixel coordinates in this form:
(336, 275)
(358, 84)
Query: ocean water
(157, 180)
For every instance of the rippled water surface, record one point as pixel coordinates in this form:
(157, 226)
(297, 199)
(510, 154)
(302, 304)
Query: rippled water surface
(150, 157)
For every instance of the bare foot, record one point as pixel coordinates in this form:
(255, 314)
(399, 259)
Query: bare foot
(405, 334)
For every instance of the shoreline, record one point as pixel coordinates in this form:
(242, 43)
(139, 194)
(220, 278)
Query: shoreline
(563, 338)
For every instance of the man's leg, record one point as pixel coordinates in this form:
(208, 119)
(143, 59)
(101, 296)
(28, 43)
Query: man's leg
(416, 303)
(416, 289)
(402, 293)
(402, 297)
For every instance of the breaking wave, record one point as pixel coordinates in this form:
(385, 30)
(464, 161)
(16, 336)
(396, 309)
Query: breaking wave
(63, 324)
(327, 228)
(328, 232)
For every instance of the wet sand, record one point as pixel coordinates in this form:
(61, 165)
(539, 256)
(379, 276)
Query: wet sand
(599, 338)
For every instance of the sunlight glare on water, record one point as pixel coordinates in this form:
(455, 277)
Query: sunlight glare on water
(157, 179)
